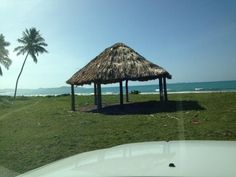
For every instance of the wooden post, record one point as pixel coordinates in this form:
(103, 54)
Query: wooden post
(127, 91)
(165, 89)
(72, 98)
(95, 93)
(121, 93)
(160, 89)
(99, 97)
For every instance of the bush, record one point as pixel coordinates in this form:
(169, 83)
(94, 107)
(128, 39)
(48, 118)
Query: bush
(64, 94)
(135, 92)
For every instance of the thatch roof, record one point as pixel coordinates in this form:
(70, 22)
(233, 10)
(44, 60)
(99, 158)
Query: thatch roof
(116, 63)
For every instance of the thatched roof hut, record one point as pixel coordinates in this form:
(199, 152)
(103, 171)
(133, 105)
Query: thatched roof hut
(116, 64)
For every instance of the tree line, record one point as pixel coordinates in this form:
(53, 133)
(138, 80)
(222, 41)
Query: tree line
(31, 44)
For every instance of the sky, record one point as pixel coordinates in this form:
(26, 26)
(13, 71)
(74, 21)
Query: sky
(195, 40)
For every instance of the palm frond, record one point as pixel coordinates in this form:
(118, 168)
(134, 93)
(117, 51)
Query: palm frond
(34, 57)
(33, 43)
(40, 49)
(42, 44)
(3, 52)
(21, 50)
(18, 48)
(22, 41)
(6, 62)
(4, 59)
(3, 43)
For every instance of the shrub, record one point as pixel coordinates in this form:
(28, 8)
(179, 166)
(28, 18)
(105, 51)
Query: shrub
(135, 92)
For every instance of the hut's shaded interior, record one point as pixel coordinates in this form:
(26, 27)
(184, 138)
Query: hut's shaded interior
(116, 64)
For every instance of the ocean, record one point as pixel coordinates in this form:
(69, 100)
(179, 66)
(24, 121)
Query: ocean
(195, 87)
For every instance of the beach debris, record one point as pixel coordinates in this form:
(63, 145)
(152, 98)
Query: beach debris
(196, 121)
(172, 117)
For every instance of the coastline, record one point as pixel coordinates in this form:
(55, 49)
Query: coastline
(183, 92)
(173, 88)
(110, 93)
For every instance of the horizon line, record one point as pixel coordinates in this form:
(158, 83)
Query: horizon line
(90, 86)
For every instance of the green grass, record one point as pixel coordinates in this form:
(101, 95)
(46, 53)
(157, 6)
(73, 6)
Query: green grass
(38, 130)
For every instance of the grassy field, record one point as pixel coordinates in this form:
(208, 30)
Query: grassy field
(38, 130)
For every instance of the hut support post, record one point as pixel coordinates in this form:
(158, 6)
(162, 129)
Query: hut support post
(127, 91)
(121, 93)
(72, 98)
(95, 93)
(165, 89)
(161, 89)
(99, 97)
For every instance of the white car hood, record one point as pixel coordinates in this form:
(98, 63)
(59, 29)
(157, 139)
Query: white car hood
(190, 158)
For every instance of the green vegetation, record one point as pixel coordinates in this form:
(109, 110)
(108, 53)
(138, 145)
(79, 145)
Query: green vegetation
(32, 43)
(38, 130)
(135, 92)
(4, 59)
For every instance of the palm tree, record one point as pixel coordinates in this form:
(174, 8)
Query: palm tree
(4, 59)
(32, 44)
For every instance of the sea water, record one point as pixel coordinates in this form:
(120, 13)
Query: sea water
(196, 87)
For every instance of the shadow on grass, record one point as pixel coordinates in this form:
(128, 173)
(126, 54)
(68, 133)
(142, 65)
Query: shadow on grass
(149, 107)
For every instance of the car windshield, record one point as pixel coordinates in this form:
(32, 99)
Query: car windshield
(152, 82)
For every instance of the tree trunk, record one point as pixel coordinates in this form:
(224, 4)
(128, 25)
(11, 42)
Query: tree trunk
(165, 89)
(17, 80)
(72, 98)
(161, 89)
(95, 93)
(121, 94)
(99, 97)
(127, 91)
